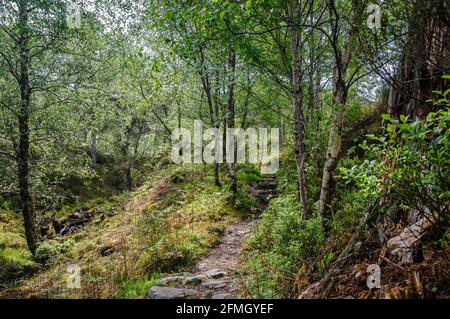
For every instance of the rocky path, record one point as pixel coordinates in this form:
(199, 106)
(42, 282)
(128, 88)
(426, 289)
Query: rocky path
(216, 276)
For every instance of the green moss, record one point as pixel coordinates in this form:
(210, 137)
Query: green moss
(249, 177)
(15, 263)
(12, 240)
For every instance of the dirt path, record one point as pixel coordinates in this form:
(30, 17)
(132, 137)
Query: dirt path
(215, 277)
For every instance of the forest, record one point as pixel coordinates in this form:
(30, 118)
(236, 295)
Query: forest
(223, 149)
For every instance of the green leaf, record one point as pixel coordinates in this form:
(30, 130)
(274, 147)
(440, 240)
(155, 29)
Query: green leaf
(386, 117)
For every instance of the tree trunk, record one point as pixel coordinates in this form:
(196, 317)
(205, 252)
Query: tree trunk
(29, 218)
(231, 117)
(426, 57)
(212, 106)
(216, 123)
(128, 177)
(340, 91)
(93, 163)
(299, 120)
(333, 150)
(281, 127)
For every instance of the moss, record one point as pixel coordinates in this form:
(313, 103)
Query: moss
(251, 176)
(15, 263)
(12, 240)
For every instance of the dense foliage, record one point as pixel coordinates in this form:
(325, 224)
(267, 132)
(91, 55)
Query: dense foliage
(87, 113)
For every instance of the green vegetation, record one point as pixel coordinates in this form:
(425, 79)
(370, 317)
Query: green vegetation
(165, 226)
(281, 242)
(89, 116)
(286, 253)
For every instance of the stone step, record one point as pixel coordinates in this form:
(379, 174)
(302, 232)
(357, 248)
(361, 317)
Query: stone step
(161, 292)
(216, 284)
(189, 278)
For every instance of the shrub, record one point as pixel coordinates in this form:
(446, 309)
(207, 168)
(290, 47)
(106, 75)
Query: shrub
(245, 202)
(414, 165)
(281, 243)
(51, 249)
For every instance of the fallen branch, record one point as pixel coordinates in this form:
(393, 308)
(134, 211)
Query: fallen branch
(403, 244)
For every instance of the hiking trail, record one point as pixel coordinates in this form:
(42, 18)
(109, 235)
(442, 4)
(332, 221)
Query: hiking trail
(216, 276)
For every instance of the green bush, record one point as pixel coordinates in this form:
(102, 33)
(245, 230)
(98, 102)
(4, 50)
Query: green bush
(414, 165)
(249, 176)
(280, 244)
(51, 249)
(245, 202)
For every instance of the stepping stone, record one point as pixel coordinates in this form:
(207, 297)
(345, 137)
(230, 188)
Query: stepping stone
(160, 292)
(215, 273)
(215, 284)
(194, 279)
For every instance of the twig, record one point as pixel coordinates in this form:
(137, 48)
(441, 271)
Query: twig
(392, 263)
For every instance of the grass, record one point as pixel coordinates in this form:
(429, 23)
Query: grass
(135, 289)
(15, 259)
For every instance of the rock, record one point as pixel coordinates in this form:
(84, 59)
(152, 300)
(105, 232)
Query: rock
(171, 279)
(197, 279)
(106, 250)
(181, 274)
(160, 292)
(81, 214)
(221, 296)
(215, 284)
(215, 273)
